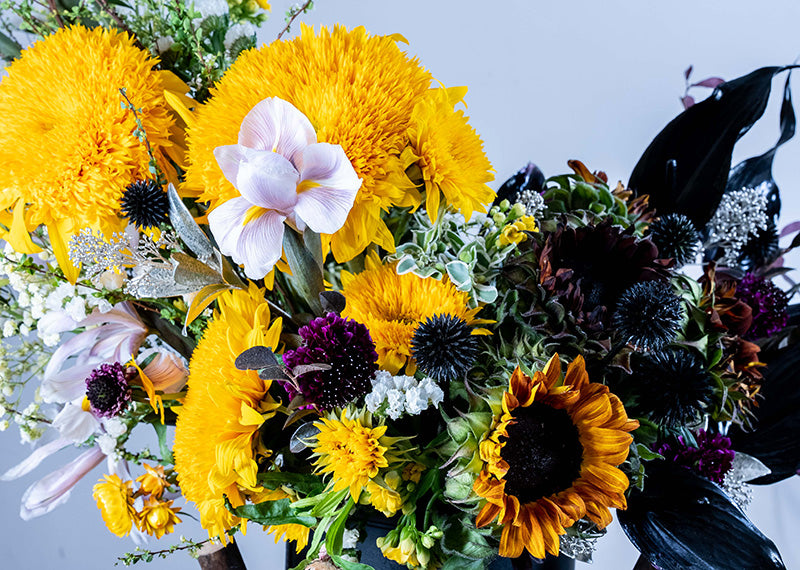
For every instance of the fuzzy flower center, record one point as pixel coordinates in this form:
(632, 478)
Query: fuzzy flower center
(107, 390)
(543, 452)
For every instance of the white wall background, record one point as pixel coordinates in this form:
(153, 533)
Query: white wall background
(549, 81)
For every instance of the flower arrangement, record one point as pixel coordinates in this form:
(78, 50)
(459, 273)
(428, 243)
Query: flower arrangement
(287, 259)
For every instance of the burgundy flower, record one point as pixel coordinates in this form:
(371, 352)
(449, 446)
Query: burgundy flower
(107, 390)
(769, 305)
(712, 458)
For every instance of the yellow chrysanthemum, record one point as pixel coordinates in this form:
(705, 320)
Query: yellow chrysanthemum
(216, 441)
(115, 500)
(352, 450)
(157, 517)
(449, 153)
(358, 91)
(551, 458)
(392, 306)
(515, 232)
(67, 147)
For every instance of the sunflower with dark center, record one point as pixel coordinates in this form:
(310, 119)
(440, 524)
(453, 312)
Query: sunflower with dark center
(648, 315)
(672, 386)
(107, 390)
(343, 344)
(551, 458)
(589, 268)
(444, 347)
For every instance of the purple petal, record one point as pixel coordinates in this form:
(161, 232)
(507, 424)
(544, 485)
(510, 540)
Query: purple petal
(325, 207)
(261, 244)
(709, 82)
(226, 225)
(229, 158)
(54, 489)
(276, 125)
(269, 180)
(34, 459)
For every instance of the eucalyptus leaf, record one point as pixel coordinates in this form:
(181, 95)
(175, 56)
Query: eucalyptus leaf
(332, 301)
(256, 358)
(306, 368)
(306, 274)
(682, 520)
(298, 441)
(193, 273)
(182, 220)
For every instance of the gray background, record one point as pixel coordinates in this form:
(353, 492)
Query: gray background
(548, 81)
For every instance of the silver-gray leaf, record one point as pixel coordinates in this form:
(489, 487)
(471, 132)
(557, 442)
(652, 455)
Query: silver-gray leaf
(187, 228)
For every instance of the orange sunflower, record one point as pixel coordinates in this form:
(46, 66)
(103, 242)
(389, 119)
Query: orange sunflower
(551, 458)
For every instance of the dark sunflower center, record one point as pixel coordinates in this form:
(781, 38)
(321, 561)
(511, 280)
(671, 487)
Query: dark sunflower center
(543, 452)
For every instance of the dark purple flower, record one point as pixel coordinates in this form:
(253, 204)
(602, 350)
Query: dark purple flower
(107, 390)
(712, 458)
(768, 302)
(346, 346)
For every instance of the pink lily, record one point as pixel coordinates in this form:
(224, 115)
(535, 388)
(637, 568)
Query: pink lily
(283, 175)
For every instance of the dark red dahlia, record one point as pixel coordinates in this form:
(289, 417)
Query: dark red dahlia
(712, 457)
(769, 305)
(343, 344)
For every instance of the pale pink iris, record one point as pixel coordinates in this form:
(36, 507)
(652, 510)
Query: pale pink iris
(283, 175)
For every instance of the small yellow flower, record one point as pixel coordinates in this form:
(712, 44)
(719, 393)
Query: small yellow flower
(115, 500)
(515, 232)
(387, 501)
(157, 517)
(153, 482)
(413, 471)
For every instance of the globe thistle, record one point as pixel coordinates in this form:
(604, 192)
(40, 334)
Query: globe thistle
(769, 304)
(343, 344)
(648, 315)
(444, 347)
(711, 457)
(761, 249)
(672, 386)
(107, 390)
(675, 237)
(145, 204)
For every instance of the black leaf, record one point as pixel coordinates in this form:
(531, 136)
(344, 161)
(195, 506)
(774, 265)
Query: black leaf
(256, 358)
(529, 177)
(700, 141)
(774, 441)
(332, 302)
(682, 520)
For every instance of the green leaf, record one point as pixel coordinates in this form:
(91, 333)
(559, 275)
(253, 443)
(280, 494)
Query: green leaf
(9, 49)
(346, 564)
(460, 539)
(304, 484)
(329, 503)
(161, 432)
(271, 513)
(459, 274)
(306, 273)
(646, 453)
(333, 538)
(459, 563)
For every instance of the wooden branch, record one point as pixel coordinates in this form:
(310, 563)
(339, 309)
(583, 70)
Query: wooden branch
(218, 557)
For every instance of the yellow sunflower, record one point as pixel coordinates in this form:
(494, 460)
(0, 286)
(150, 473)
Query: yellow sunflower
(449, 153)
(358, 91)
(392, 306)
(352, 450)
(115, 500)
(216, 441)
(67, 147)
(551, 458)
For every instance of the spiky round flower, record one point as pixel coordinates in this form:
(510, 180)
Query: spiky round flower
(712, 457)
(444, 347)
(589, 268)
(648, 315)
(675, 237)
(761, 249)
(115, 500)
(672, 386)
(392, 306)
(344, 345)
(769, 304)
(107, 390)
(551, 458)
(145, 203)
(68, 152)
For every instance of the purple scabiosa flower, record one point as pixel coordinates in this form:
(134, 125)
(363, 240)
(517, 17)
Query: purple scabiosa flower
(346, 346)
(712, 458)
(107, 390)
(768, 302)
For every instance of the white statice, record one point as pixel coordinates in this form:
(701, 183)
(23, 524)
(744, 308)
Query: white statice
(107, 444)
(396, 395)
(76, 309)
(350, 538)
(115, 427)
(740, 215)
